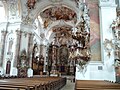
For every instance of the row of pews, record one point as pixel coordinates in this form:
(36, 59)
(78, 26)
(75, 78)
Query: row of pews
(96, 85)
(33, 83)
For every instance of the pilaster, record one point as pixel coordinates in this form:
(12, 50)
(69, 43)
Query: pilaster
(30, 45)
(18, 41)
(107, 12)
(3, 38)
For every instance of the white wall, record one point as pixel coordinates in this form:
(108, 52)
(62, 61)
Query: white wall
(107, 15)
(96, 71)
(103, 70)
(11, 28)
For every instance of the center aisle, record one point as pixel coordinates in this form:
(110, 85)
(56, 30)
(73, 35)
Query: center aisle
(69, 85)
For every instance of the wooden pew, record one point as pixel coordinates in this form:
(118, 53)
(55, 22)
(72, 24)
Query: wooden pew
(44, 83)
(95, 85)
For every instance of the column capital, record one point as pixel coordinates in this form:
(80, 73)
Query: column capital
(107, 3)
(28, 28)
(31, 34)
(4, 32)
(18, 32)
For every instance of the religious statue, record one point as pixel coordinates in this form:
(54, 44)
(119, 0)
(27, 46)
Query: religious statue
(63, 39)
(23, 59)
(108, 45)
(113, 25)
(31, 4)
(35, 51)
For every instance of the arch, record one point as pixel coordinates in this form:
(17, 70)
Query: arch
(49, 30)
(45, 5)
(58, 13)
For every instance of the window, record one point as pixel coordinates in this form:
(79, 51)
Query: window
(2, 11)
(118, 3)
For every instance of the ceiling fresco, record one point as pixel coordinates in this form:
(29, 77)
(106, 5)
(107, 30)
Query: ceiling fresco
(59, 13)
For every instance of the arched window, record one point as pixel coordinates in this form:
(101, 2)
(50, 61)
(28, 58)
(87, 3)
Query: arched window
(2, 17)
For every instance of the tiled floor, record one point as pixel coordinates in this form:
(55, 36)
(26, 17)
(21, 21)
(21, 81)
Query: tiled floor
(69, 86)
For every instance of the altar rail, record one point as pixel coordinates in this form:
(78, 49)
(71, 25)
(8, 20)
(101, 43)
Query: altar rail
(96, 85)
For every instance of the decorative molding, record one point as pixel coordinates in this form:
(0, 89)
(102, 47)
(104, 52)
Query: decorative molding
(107, 3)
(79, 3)
(3, 39)
(108, 45)
(26, 20)
(13, 7)
(104, 0)
(56, 1)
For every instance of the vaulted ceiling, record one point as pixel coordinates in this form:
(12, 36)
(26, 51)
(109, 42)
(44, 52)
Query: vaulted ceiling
(44, 5)
(54, 13)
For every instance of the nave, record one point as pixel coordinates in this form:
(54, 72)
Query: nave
(69, 85)
(79, 38)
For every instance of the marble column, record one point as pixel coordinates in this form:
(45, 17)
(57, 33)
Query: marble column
(17, 50)
(3, 38)
(41, 49)
(45, 61)
(30, 44)
(43, 53)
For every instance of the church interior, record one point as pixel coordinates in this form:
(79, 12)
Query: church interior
(60, 45)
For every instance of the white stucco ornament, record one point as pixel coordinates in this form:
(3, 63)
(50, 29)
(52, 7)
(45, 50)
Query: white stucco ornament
(108, 45)
(56, 0)
(104, 0)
